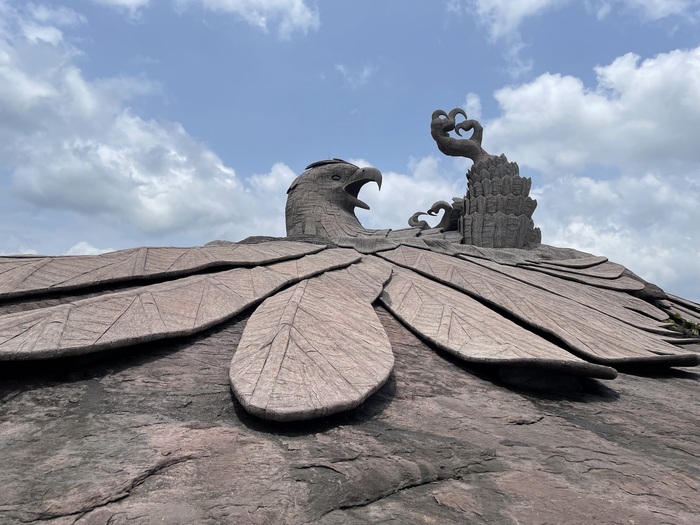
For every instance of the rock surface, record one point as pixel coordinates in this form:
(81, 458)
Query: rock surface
(153, 435)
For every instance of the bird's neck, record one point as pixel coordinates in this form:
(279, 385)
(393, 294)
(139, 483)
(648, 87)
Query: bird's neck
(316, 218)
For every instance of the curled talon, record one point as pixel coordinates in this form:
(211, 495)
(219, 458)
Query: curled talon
(433, 211)
(446, 208)
(415, 223)
(439, 205)
(457, 111)
(442, 124)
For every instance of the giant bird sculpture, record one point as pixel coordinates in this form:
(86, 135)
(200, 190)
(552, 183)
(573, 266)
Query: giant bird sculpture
(313, 344)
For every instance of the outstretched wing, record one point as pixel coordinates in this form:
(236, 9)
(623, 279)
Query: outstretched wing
(590, 315)
(22, 276)
(173, 308)
(316, 349)
(315, 345)
(473, 332)
(684, 309)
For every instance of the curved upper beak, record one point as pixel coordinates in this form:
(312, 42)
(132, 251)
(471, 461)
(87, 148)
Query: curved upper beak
(358, 179)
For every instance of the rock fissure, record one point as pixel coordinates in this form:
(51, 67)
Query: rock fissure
(121, 493)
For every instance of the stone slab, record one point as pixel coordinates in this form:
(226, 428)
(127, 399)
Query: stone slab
(471, 331)
(170, 309)
(316, 348)
(34, 275)
(590, 334)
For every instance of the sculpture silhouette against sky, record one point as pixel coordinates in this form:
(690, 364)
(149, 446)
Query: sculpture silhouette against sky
(497, 210)
(479, 286)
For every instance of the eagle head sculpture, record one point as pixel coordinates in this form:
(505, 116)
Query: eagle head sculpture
(321, 201)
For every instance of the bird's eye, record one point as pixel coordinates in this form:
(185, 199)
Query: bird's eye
(335, 177)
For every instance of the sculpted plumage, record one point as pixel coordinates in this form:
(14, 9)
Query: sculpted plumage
(479, 286)
(321, 202)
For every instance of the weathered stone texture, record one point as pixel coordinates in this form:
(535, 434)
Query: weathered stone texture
(152, 436)
(316, 348)
(498, 208)
(170, 309)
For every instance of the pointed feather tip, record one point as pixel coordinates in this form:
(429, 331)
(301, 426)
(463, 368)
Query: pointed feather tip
(599, 371)
(570, 368)
(658, 363)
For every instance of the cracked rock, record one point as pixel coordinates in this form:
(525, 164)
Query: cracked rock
(153, 435)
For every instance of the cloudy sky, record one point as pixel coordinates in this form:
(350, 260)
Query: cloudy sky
(176, 122)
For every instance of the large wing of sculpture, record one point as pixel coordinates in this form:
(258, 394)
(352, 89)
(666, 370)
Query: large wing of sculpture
(173, 308)
(22, 276)
(314, 345)
(489, 294)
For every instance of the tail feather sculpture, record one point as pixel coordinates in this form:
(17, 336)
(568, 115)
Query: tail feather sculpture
(497, 209)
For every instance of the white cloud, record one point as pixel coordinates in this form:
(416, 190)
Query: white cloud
(36, 32)
(60, 16)
(453, 6)
(619, 160)
(133, 7)
(472, 106)
(71, 143)
(640, 114)
(517, 66)
(85, 248)
(355, 79)
(426, 182)
(601, 9)
(39, 23)
(658, 9)
(152, 174)
(645, 223)
(362, 163)
(128, 4)
(22, 250)
(503, 17)
(289, 16)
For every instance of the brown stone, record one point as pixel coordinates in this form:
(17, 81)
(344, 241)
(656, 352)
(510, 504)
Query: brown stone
(152, 436)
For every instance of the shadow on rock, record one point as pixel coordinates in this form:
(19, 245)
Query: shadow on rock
(656, 373)
(539, 383)
(366, 411)
(31, 374)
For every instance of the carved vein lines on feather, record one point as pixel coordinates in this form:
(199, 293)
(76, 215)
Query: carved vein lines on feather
(113, 323)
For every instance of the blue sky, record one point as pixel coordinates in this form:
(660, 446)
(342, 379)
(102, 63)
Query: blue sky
(176, 122)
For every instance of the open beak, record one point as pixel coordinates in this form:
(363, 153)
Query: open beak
(358, 179)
